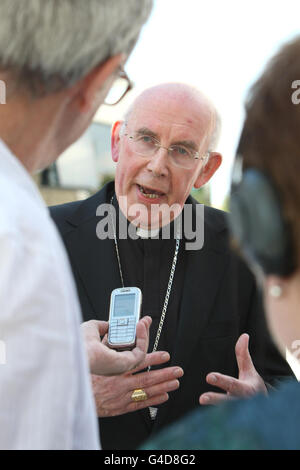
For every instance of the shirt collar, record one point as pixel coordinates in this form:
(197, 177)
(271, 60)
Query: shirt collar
(144, 233)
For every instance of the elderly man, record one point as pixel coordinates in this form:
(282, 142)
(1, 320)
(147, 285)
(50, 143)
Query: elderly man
(200, 298)
(56, 74)
(265, 200)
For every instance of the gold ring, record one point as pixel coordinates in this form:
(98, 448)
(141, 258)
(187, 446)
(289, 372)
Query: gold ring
(139, 395)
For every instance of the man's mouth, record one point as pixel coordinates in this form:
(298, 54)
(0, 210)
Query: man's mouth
(150, 193)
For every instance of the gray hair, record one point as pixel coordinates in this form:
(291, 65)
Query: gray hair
(50, 44)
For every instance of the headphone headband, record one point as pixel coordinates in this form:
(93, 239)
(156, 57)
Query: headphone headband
(257, 221)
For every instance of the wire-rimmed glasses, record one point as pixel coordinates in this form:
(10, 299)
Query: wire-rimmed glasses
(119, 89)
(146, 146)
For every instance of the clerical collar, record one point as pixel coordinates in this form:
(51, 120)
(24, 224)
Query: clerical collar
(140, 232)
(144, 233)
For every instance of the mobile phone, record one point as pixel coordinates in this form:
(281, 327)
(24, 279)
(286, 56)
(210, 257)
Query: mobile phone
(124, 313)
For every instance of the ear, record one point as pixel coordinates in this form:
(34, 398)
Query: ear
(91, 90)
(115, 140)
(208, 170)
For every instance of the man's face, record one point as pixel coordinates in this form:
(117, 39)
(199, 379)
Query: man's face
(156, 181)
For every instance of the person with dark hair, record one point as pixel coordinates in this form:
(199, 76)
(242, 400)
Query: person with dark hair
(265, 203)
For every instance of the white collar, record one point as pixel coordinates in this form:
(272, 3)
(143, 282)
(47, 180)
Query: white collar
(144, 233)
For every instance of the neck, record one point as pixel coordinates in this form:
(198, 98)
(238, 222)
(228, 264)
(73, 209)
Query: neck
(27, 127)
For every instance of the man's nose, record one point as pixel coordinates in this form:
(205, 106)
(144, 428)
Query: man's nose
(158, 164)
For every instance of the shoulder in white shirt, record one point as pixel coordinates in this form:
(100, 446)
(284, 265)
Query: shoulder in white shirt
(46, 400)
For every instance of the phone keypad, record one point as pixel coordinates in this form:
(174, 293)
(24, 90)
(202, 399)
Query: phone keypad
(122, 330)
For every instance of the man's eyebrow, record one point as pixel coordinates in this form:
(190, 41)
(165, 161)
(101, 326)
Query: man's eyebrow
(186, 143)
(146, 131)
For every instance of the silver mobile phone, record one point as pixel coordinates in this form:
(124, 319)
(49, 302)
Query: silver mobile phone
(124, 313)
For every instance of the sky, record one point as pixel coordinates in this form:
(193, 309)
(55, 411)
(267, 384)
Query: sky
(220, 47)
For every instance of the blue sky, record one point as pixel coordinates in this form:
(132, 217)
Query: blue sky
(220, 47)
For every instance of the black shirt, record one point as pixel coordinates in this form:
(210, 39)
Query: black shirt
(146, 263)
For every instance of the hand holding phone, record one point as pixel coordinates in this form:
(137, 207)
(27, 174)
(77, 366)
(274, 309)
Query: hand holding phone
(124, 313)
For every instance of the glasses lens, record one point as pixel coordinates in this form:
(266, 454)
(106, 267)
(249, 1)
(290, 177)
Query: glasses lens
(147, 146)
(144, 145)
(117, 91)
(182, 157)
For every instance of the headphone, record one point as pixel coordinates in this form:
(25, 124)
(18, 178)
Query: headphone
(257, 223)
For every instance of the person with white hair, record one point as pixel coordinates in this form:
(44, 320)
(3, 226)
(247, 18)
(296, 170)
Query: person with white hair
(58, 59)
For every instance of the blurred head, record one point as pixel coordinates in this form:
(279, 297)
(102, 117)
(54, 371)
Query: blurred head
(63, 55)
(163, 148)
(270, 142)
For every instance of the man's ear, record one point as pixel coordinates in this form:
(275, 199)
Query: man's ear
(115, 140)
(91, 90)
(208, 170)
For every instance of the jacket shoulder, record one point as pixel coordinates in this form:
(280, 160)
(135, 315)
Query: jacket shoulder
(62, 212)
(216, 219)
(69, 215)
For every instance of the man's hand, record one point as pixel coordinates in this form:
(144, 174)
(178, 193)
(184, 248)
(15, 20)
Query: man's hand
(106, 361)
(249, 382)
(113, 394)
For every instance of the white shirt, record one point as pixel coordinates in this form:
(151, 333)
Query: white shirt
(46, 400)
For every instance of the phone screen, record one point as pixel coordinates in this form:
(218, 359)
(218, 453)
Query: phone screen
(124, 305)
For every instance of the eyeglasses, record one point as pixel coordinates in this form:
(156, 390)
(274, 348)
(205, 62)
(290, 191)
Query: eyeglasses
(181, 156)
(119, 89)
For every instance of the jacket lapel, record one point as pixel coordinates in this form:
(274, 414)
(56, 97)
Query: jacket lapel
(205, 269)
(94, 259)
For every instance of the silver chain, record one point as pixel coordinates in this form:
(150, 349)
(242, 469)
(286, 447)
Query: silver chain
(152, 410)
(168, 292)
(116, 246)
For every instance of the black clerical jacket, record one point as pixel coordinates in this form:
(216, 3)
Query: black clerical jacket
(219, 303)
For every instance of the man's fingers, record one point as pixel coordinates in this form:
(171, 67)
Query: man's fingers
(93, 328)
(153, 359)
(243, 357)
(159, 389)
(154, 377)
(155, 394)
(102, 326)
(228, 384)
(154, 401)
(131, 359)
(140, 405)
(142, 334)
(212, 398)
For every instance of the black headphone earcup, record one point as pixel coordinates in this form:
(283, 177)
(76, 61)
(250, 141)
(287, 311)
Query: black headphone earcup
(258, 225)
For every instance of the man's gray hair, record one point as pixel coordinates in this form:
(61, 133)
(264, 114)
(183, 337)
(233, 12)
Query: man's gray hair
(50, 44)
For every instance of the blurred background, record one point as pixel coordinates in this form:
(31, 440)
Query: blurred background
(219, 47)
